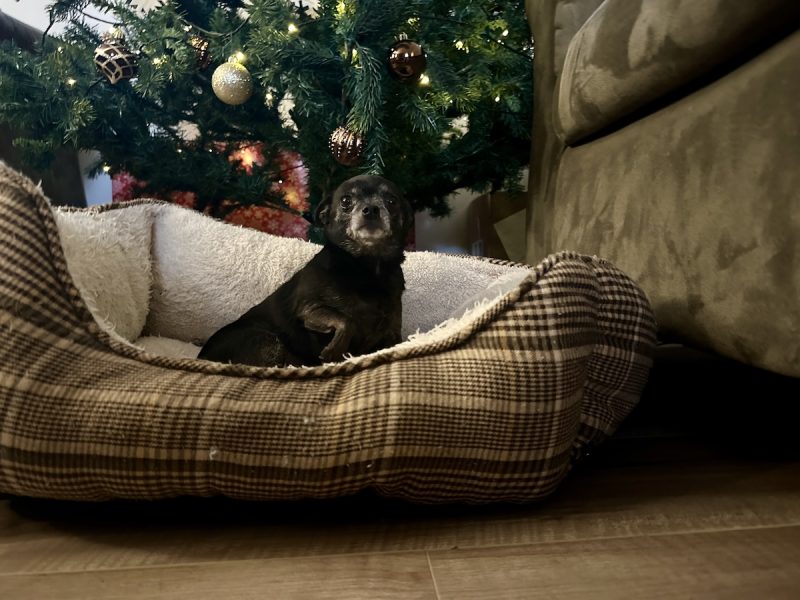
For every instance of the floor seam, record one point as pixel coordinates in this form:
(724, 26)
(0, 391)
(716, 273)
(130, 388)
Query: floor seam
(433, 576)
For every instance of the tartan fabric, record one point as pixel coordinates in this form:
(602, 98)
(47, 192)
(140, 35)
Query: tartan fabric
(498, 411)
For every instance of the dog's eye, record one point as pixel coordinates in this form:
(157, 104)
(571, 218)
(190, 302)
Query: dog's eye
(389, 200)
(346, 202)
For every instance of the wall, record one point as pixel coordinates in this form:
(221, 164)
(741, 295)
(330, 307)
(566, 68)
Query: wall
(449, 234)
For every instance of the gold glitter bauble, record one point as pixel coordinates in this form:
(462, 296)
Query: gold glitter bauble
(232, 83)
(346, 147)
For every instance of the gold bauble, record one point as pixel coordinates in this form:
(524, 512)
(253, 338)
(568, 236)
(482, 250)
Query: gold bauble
(232, 83)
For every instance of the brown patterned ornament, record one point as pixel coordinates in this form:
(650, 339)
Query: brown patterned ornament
(114, 59)
(346, 147)
(201, 52)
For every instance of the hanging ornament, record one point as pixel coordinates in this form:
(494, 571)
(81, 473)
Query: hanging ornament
(232, 83)
(201, 53)
(407, 60)
(114, 59)
(495, 10)
(346, 147)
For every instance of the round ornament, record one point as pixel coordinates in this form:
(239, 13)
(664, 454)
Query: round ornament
(232, 83)
(201, 53)
(114, 59)
(346, 147)
(407, 61)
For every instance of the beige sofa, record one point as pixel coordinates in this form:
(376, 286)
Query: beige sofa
(667, 139)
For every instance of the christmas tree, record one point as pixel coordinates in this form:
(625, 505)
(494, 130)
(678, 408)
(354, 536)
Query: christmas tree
(434, 95)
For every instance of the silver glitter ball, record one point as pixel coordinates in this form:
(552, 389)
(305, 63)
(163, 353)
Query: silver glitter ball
(232, 83)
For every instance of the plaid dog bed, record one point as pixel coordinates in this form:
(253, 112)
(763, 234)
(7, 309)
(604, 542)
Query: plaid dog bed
(495, 408)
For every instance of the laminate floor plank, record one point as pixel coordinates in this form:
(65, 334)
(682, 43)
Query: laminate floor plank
(741, 564)
(43, 536)
(356, 577)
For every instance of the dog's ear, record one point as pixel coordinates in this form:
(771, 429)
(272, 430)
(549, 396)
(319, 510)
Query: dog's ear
(322, 213)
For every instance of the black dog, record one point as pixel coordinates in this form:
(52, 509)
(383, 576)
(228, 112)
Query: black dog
(346, 300)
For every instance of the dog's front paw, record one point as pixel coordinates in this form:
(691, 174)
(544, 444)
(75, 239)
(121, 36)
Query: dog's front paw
(331, 354)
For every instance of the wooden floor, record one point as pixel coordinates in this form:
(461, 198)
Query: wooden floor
(690, 500)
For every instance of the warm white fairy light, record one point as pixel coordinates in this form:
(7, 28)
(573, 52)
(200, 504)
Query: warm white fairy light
(71, 81)
(497, 98)
(293, 28)
(425, 80)
(505, 33)
(240, 56)
(106, 168)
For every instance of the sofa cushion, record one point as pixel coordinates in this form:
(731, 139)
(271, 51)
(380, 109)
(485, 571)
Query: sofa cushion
(632, 52)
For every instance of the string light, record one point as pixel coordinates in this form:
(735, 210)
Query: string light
(71, 82)
(240, 56)
(505, 33)
(497, 98)
(293, 28)
(106, 168)
(425, 80)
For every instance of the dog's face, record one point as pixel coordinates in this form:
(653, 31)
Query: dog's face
(367, 216)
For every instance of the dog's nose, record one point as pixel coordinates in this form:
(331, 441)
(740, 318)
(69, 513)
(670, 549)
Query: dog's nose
(370, 211)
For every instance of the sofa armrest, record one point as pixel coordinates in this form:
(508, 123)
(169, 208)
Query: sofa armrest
(24, 36)
(553, 24)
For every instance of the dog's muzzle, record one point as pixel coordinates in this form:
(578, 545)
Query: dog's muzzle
(369, 223)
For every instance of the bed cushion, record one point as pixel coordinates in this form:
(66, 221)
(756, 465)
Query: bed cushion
(629, 54)
(496, 404)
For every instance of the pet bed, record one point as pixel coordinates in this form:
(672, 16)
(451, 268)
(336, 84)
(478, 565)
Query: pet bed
(509, 374)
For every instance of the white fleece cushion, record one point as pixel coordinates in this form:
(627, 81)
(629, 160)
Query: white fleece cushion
(108, 255)
(440, 287)
(171, 274)
(208, 273)
(167, 347)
